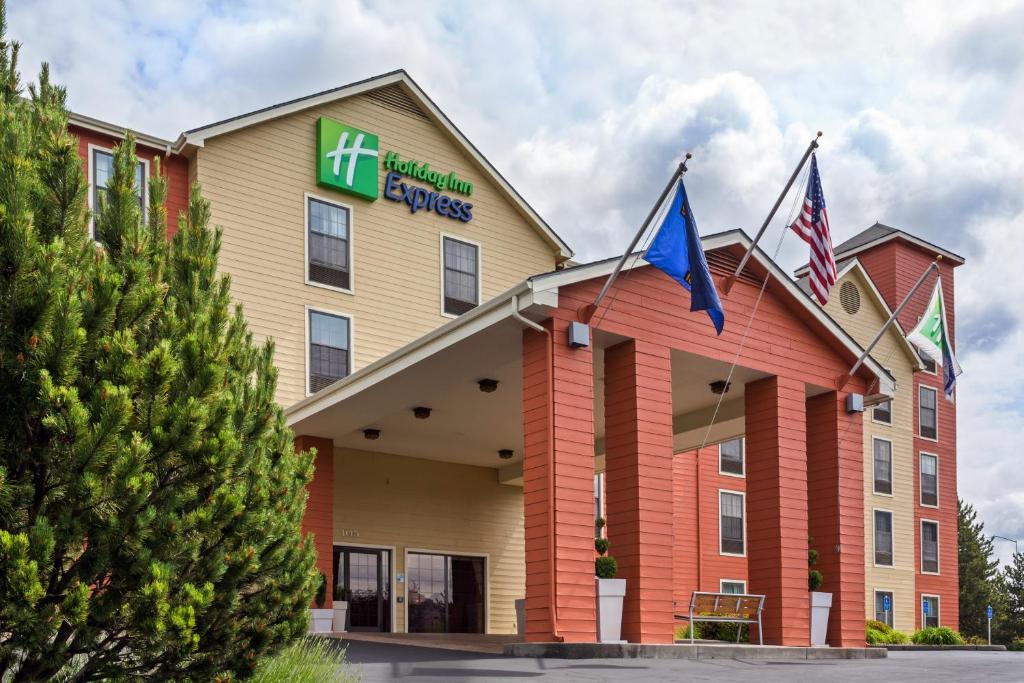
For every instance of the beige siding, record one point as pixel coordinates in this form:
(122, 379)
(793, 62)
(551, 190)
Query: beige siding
(891, 353)
(407, 503)
(257, 178)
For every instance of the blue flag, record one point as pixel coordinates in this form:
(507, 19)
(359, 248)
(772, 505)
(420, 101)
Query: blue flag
(677, 252)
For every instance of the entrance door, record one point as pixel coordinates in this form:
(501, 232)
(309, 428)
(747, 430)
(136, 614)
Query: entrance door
(446, 593)
(364, 577)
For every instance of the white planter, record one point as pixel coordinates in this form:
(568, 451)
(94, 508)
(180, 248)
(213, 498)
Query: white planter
(609, 609)
(821, 603)
(340, 613)
(521, 616)
(320, 620)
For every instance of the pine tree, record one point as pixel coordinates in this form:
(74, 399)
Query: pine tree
(150, 493)
(1013, 582)
(980, 584)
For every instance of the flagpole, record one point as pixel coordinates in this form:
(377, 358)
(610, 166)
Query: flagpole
(729, 281)
(845, 377)
(587, 312)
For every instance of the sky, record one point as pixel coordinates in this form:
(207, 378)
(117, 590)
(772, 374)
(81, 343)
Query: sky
(586, 107)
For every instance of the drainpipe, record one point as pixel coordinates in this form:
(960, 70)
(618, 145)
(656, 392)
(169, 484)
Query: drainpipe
(550, 360)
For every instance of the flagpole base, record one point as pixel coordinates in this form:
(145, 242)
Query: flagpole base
(585, 313)
(728, 283)
(841, 381)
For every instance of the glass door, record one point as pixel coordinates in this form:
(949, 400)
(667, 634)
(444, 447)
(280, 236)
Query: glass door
(363, 577)
(446, 593)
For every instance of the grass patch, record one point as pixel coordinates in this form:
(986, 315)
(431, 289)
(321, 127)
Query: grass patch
(309, 660)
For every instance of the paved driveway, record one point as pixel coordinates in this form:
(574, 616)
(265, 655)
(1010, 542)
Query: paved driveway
(390, 662)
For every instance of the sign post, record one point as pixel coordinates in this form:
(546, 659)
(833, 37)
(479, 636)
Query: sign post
(924, 609)
(886, 606)
(990, 624)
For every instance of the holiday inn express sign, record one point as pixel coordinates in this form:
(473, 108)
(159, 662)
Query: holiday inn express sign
(347, 160)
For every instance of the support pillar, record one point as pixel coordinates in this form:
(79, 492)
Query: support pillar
(639, 479)
(319, 517)
(835, 485)
(558, 472)
(776, 506)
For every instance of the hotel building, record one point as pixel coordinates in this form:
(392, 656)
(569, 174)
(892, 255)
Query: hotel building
(420, 307)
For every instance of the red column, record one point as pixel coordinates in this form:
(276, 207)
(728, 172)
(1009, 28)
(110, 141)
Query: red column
(558, 464)
(776, 510)
(835, 494)
(638, 475)
(319, 517)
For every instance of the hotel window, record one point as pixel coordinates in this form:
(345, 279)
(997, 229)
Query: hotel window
(730, 457)
(329, 344)
(930, 616)
(929, 480)
(883, 538)
(883, 466)
(730, 508)
(733, 587)
(929, 364)
(927, 413)
(461, 276)
(329, 244)
(103, 173)
(881, 614)
(930, 547)
(882, 413)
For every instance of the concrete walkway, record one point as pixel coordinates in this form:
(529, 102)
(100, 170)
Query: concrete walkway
(460, 642)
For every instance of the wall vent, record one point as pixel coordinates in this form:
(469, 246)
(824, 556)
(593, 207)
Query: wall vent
(849, 297)
(394, 98)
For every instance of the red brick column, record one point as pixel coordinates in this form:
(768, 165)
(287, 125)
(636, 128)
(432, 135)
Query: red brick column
(776, 514)
(568, 383)
(638, 469)
(319, 517)
(835, 494)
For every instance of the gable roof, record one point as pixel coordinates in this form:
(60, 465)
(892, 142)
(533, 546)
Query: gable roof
(880, 234)
(197, 137)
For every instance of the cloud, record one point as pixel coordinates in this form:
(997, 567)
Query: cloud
(587, 107)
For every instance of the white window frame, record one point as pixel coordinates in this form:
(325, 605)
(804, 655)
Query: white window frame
(90, 149)
(938, 546)
(920, 388)
(306, 196)
(722, 582)
(743, 459)
(938, 606)
(881, 422)
(920, 489)
(746, 539)
(934, 372)
(892, 596)
(873, 478)
(874, 538)
(479, 268)
(307, 309)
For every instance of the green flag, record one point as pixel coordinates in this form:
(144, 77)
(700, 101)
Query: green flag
(931, 337)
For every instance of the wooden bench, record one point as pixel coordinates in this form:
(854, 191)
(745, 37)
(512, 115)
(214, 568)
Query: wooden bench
(725, 607)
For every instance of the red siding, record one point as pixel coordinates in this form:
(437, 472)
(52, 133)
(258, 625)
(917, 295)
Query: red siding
(174, 167)
(319, 517)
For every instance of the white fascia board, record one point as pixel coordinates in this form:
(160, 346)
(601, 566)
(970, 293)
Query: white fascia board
(110, 129)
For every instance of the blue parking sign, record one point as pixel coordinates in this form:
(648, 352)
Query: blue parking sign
(990, 612)
(924, 606)
(886, 603)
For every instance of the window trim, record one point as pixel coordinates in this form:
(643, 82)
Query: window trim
(920, 388)
(743, 458)
(306, 197)
(880, 422)
(873, 477)
(742, 495)
(938, 544)
(91, 149)
(892, 594)
(874, 538)
(920, 473)
(938, 606)
(479, 269)
(307, 310)
(934, 372)
(722, 582)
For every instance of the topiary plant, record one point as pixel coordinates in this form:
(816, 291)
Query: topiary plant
(601, 545)
(321, 592)
(814, 577)
(605, 566)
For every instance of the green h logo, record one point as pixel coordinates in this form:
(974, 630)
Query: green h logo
(346, 158)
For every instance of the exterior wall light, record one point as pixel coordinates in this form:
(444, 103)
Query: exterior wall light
(720, 387)
(421, 412)
(488, 386)
(371, 434)
(506, 453)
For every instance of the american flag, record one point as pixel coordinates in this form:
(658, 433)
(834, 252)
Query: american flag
(812, 226)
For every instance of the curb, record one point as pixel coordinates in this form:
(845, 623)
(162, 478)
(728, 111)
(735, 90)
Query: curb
(693, 652)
